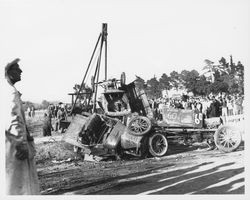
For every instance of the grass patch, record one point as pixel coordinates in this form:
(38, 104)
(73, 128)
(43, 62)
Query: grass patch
(49, 151)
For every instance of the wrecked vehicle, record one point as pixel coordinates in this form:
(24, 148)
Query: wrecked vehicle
(125, 123)
(127, 126)
(124, 128)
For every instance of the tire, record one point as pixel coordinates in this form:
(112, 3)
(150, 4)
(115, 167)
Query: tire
(123, 78)
(158, 145)
(227, 138)
(139, 125)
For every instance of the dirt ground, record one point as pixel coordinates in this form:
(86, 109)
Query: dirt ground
(85, 177)
(60, 173)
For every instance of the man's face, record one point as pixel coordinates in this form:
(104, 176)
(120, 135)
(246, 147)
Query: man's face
(15, 73)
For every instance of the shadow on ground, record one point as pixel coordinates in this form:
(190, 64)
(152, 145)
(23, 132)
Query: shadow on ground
(185, 181)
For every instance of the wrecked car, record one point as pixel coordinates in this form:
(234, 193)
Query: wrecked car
(124, 128)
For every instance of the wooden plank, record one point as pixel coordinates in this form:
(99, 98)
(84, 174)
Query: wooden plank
(75, 127)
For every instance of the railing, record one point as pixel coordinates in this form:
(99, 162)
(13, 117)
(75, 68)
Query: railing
(233, 119)
(237, 121)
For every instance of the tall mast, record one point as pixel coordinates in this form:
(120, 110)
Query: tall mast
(105, 34)
(101, 39)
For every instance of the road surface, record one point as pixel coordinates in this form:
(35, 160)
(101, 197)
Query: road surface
(192, 172)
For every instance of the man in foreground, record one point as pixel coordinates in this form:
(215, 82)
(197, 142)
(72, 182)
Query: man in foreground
(21, 174)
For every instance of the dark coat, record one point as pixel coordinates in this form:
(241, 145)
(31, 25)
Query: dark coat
(47, 127)
(214, 109)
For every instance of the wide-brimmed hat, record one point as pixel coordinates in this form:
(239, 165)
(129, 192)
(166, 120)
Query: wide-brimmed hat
(11, 64)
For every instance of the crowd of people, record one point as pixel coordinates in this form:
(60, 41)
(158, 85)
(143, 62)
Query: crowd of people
(57, 113)
(210, 106)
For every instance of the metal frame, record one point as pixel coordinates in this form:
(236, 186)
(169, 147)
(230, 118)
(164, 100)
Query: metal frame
(102, 39)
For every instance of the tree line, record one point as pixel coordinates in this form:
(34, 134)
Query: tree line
(226, 77)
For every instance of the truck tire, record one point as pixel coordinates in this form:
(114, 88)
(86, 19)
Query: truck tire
(227, 138)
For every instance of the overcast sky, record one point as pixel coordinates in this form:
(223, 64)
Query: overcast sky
(55, 39)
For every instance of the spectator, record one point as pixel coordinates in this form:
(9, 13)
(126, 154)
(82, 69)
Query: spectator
(56, 110)
(178, 104)
(47, 127)
(240, 106)
(230, 107)
(224, 108)
(184, 104)
(243, 105)
(154, 108)
(199, 106)
(29, 111)
(21, 174)
(214, 109)
(60, 116)
(32, 111)
(193, 105)
(235, 111)
(160, 107)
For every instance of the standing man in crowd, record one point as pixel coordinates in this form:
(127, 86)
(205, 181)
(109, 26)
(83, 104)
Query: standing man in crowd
(21, 174)
(61, 115)
(47, 126)
(33, 111)
(224, 109)
(154, 108)
(214, 110)
(29, 111)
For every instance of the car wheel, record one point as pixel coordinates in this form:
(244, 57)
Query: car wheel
(227, 138)
(139, 125)
(158, 145)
